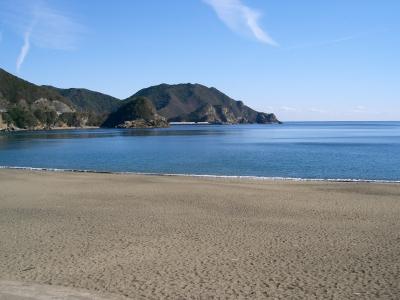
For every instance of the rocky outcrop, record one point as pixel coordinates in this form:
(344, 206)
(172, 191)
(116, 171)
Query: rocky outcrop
(263, 118)
(214, 114)
(206, 113)
(3, 124)
(223, 114)
(141, 123)
(52, 105)
(137, 113)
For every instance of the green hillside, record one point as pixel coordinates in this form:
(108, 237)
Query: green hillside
(195, 102)
(24, 105)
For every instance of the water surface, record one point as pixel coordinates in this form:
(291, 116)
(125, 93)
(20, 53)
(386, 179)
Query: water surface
(311, 150)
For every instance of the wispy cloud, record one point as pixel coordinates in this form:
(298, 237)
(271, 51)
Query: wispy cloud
(241, 18)
(42, 26)
(335, 41)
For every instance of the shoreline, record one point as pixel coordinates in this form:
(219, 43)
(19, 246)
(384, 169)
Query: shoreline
(210, 176)
(15, 130)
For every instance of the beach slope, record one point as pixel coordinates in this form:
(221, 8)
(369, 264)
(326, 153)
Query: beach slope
(181, 237)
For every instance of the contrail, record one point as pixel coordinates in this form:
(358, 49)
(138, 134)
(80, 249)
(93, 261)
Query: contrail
(47, 29)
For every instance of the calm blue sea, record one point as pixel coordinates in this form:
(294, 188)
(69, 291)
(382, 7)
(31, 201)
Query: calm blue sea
(310, 150)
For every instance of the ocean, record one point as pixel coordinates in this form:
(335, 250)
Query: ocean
(297, 150)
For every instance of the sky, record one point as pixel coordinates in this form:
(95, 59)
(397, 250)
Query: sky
(303, 60)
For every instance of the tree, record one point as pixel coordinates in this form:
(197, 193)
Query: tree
(46, 117)
(22, 118)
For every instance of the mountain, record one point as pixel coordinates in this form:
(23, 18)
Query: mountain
(136, 113)
(89, 101)
(96, 106)
(16, 91)
(24, 105)
(29, 106)
(195, 103)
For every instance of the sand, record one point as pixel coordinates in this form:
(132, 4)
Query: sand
(152, 237)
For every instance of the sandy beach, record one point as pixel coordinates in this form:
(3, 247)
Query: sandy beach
(152, 237)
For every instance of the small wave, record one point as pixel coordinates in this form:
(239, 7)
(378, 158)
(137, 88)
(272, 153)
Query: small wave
(267, 178)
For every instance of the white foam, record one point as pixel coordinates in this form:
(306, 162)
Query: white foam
(204, 175)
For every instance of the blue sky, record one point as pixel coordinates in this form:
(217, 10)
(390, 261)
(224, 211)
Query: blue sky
(303, 60)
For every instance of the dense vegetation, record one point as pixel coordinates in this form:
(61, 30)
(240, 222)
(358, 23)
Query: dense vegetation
(21, 117)
(138, 108)
(46, 117)
(15, 90)
(89, 101)
(26, 105)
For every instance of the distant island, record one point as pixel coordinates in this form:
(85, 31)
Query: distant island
(24, 105)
